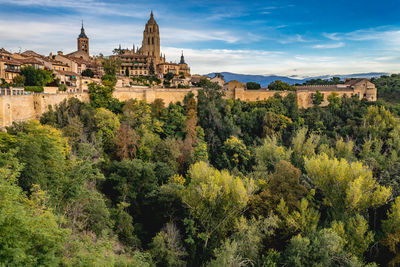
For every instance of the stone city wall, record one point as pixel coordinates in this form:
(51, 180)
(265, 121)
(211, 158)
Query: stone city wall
(17, 108)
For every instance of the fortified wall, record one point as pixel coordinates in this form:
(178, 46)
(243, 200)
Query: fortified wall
(17, 108)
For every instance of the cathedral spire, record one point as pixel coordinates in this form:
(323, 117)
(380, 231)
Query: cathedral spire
(182, 59)
(83, 34)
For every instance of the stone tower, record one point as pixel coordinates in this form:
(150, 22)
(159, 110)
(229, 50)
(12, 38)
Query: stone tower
(151, 40)
(83, 41)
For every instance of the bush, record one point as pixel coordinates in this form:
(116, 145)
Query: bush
(35, 89)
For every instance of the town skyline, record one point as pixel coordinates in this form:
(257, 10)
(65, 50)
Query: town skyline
(256, 39)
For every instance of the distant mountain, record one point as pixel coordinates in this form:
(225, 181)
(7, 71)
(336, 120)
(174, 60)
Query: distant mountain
(265, 80)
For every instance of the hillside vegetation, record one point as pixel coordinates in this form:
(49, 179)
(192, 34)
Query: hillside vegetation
(205, 182)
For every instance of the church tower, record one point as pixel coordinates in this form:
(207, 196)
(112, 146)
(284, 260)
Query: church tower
(83, 41)
(151, 40)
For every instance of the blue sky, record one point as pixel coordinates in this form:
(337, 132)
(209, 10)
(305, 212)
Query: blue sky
(285, 37)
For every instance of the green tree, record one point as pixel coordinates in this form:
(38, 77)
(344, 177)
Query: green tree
(36, 77)
(19, 80)
(30, 235)
(88, 73)
(166, 247)
(43, 152)
(236, 154)
(253, 86)
(107, 125)
(391, 229)
(322, 248)
(281, 86)
(317, 98)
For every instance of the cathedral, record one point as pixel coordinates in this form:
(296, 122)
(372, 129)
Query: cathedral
(148, 59)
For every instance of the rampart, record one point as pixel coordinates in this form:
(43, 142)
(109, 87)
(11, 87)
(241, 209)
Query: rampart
(17, 108)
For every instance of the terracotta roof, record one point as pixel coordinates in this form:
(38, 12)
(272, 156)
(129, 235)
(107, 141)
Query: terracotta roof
(10, 62)
(68, 73)
(355, 81)
(3, 51)
(31, 53)
(30, 61)
(77, 59)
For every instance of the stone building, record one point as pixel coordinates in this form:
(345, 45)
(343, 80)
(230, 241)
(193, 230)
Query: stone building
(148, 59)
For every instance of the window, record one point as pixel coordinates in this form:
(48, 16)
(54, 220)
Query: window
(148, 40)
(152, 41)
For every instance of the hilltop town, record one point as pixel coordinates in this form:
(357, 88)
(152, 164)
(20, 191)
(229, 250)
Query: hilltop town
(141, 73)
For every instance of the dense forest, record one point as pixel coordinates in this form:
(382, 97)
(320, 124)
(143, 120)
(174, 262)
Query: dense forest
(205, 182)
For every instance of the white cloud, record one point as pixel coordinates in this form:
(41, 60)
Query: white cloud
(86, 7)
(332, 36)
(277, 62)
(329, 46)
(388, 37)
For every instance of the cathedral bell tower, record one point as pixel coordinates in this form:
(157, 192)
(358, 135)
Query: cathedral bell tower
(83, 41)
(151, 39)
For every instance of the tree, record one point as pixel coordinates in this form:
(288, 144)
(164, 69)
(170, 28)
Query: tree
(88, 73)
(303, 147)
(270, 153)
(107, 124)
(317, 98)
(169, 76)
(43, 152)
(334, 101)
(30, 235)
(346, 187)
(111, 66)
(100, 96)
(322, 248)
(236, 154)
(215, 198)
(253, 86)
(281, 86)
(284, 183)
(151, 68)
(166, 247)
(36, 77)
(19, 80)
(126, 141)
(391, 230)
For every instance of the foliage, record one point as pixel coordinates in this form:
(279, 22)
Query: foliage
(280, 86)
(36, 77)
(253, 86)
(347, 187)
(317, 98)
(19, 80)
(215, 198)
(88, 73)
(320, 248)
(30, 235)
(35, 89)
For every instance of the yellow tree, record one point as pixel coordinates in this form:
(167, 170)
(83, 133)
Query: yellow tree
(391, 228)
(215, 198)
(346, 187)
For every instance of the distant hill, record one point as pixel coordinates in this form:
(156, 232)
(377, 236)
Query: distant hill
(265, 80)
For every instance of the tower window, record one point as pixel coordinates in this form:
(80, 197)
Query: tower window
(152, 41)
(148, 40)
